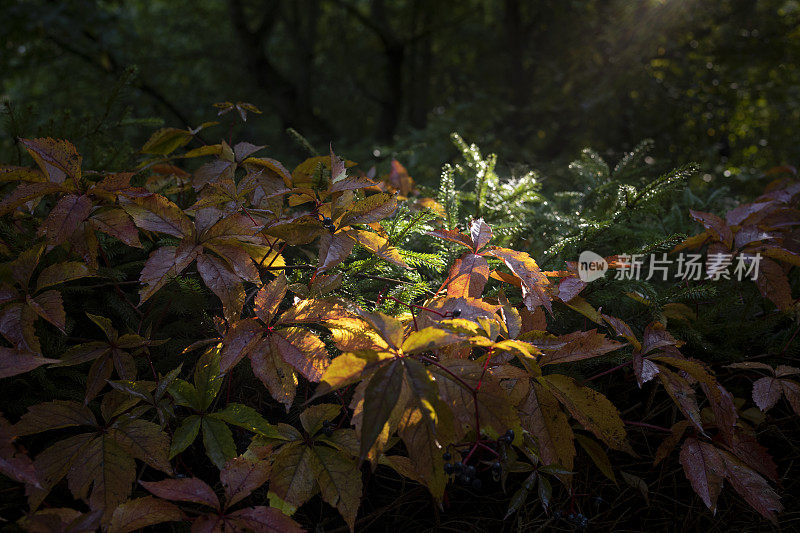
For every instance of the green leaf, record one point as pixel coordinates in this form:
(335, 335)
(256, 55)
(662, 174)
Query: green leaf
(185, 394)
(313, 417)
(207, 377)
(218, 440)
(248, 418)
(166, 141)
(184, 435)
(598, 456)
(380, 398)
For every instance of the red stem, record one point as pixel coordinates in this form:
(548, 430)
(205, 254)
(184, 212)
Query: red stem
(610, 370)
(646, 426)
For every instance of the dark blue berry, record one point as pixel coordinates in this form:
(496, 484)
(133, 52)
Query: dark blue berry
(446, 456)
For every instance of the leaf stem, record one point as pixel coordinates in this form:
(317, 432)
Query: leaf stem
(609, 371)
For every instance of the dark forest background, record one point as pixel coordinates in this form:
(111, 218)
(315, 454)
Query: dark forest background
(714, 82)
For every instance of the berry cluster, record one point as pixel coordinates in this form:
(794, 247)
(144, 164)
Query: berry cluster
(577, 520)
(467, 474)
(327, 223)
(327, 428)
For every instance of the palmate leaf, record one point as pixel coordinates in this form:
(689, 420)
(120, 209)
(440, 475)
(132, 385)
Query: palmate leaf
(302, 469)
(99, 465)
(217, 436)
(240, 477)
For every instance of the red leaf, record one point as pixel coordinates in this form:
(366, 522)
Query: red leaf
(13, 464)
(534, 283)
(65, 217)
(570, 287)
(578, 346)
(269, 297)
(303, 350)
(242, 476)
(773, 284)
(399, 179)
(656, 336)
(224, 283)
(468, 277)
(274, 372)
(118, 224)
(452, 235)
(27, 192)
(767, 392)
(705, 470)
(792, 391)
(164, 264)
(751, 486)
(239, 340)
(481, 234)
(736, 216)
(16, 325)
(188, 489)
(644, 369)
(142, 512)
(156, 213)
(716, 225)
(262, 519)
(239, 227)
(682, 394)
(333, 249)
(57, 158)
(14, 362)
(49, 306)
(746, 447)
